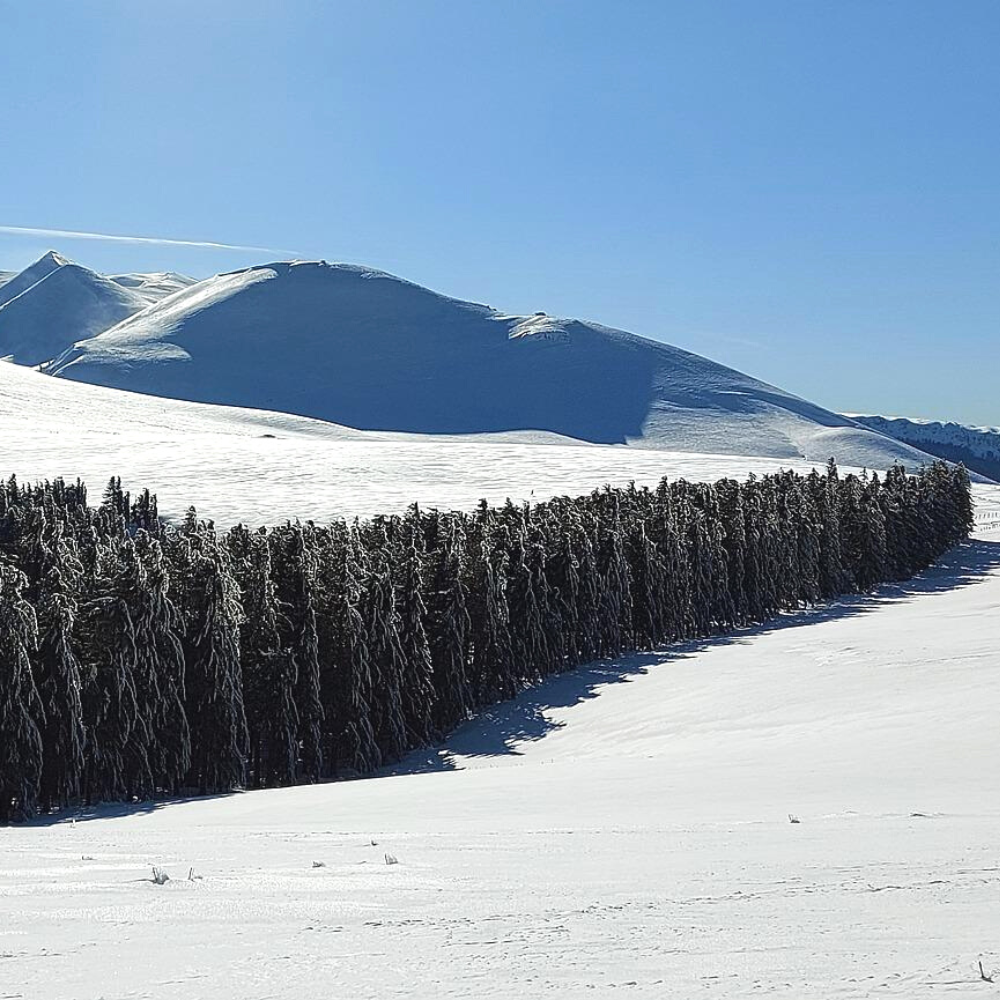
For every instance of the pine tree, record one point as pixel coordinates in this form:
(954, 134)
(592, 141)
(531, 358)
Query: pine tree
(295, 579)
(344, 656)
(158, 628)
(447, 623)
(418, 678)
(381, 623)
(492, 674)
(110, 708)
(207, 600)
(268, 668)
(57, 667)
(20, 707)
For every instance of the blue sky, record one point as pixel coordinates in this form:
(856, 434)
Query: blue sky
(806, 191)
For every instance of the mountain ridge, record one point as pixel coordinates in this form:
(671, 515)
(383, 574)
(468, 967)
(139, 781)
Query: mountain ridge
(977, 447)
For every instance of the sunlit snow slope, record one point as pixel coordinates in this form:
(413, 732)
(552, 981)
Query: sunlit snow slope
(53, 303)
(621, 831)
(362, 348)
(259, 467)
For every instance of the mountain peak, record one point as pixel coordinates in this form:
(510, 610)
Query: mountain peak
(53, 257)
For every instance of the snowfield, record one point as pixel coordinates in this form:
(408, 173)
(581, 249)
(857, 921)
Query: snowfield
(621, 830)
(262, 468)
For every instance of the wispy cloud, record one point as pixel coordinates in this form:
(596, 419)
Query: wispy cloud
(72, 234)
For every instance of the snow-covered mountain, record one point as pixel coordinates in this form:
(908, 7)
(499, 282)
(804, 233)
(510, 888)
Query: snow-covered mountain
(363, 348)
(977, 447)
(153, 286)
(55, 302)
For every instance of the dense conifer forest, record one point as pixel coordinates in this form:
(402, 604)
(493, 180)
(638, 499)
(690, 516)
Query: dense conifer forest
(140, 660)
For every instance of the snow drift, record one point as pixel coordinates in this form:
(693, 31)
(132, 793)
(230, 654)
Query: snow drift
(363, 348)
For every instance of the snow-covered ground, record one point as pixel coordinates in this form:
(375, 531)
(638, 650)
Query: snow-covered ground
(262, 467)
(623, 830)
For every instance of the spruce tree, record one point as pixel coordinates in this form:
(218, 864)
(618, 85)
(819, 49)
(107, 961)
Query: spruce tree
(418, 678)
(20, 707)
(447, 623)
(208, 601)
(57, 667)
(295, 579)
(268, 668)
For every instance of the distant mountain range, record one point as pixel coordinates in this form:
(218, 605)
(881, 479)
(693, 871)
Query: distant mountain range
(359, 347)
(977, 447)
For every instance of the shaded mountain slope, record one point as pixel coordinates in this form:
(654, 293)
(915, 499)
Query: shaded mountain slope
(363, 348)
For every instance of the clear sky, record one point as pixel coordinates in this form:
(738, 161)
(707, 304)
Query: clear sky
(807, 190)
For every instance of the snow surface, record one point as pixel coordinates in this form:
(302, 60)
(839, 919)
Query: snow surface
(622, 830)
(155, 285)
(362, 348)
(259, 467)
(54, 303)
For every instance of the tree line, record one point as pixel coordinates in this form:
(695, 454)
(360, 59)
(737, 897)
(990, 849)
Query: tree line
(140, 660)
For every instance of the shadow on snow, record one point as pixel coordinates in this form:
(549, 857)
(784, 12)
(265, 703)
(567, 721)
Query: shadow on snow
(501, 729)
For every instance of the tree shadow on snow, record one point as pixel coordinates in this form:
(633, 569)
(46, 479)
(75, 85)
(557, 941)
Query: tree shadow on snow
(118, 810)
(501, 730)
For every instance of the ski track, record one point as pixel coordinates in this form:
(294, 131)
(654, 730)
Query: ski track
(622, 830)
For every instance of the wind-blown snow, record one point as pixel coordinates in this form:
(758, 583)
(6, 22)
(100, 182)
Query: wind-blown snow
(620, 831)
(362, 348)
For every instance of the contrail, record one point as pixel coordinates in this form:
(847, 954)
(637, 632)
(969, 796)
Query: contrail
(70, 234)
